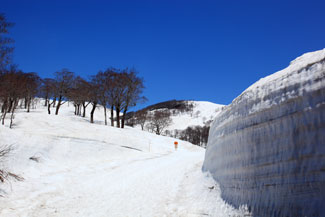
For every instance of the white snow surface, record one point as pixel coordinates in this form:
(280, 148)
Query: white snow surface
(88, 169)
(296, 64)
(203, 111)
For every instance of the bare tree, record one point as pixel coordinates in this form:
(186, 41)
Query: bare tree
(141, 117)
(132, 95)
(159, 120)
(11, 90)
(31, 88)
(79, 95)
(5, 42)
(103, 85)
(64, 82)
(94, 96)
(49, 91)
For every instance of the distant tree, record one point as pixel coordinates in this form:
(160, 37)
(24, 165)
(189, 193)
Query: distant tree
(102, 80)
(31, 88)
(133, 91)
(79, 94)
(46, 89)
(94, 95)
(49, 91)
(197, 135)
(64, 82)
(12, 89)
(5, 43)
(84, 88)
(141, 117)
(119, 90)
(159, 120)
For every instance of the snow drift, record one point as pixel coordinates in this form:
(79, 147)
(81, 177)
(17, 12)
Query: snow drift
(267, 148)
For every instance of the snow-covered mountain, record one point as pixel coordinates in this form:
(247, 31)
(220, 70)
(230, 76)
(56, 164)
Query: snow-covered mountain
(186, 113)
(73, 168)
(266, 149)
(201, 114)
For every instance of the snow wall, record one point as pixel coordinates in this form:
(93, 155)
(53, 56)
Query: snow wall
(267, 148)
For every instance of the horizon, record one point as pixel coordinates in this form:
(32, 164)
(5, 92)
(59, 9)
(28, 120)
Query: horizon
(184, 50)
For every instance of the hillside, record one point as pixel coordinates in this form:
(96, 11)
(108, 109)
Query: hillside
(73, 168)
(188, 120)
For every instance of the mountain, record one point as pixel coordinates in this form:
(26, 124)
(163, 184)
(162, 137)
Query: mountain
(185, 116)
(266, 149)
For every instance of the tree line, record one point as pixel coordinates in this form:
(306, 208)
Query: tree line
(117, 89)
(158, 120)
(113, 88)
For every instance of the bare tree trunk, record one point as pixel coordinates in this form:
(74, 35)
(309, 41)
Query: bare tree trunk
(28, 104)
(58, 105)
(118, 116)
(10, 105)
(49, 108)
(54, 102)
(4, 116)
(79, 109)
(105, 115)
(92, 113)
(112, 116)
(12, 117)
(46, 100)
(84, 109)
(75, 109)
(4, 106)
(123, 117)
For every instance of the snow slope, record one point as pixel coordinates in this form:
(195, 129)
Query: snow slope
(202, 112)
(267, 148)
(84, 169)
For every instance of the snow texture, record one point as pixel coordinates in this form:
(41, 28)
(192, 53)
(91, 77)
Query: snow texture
(267, 148)
(202, 113)
(74, 168)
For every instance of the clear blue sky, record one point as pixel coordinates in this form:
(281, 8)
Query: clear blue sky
(200, 50)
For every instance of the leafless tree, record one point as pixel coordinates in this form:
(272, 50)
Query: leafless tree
(79, 95)
(47, 90)
(31, 86)
(141, 117)
(94, 95)
(159, 120)
(11, 90)
(64, 82)
(133, 91)
(5, 43)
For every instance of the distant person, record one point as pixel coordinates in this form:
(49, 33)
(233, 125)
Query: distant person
(175, 144)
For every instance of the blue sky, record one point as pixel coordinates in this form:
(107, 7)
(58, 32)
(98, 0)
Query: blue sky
(199, 50)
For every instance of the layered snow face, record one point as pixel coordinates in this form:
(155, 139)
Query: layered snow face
(267, 148)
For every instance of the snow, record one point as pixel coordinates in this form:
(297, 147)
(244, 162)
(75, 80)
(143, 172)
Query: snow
(88, 169)
(202, 112)
(266, 148)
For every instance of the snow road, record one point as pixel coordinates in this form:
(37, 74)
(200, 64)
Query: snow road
(96, 170)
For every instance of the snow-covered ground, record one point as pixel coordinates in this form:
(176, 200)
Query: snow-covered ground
(202, 113)
(83, 169)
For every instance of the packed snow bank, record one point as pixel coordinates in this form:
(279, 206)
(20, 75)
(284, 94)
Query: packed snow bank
(74, 168)
(267, 148)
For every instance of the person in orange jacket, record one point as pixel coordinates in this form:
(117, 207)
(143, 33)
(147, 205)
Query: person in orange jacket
(175, 144)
